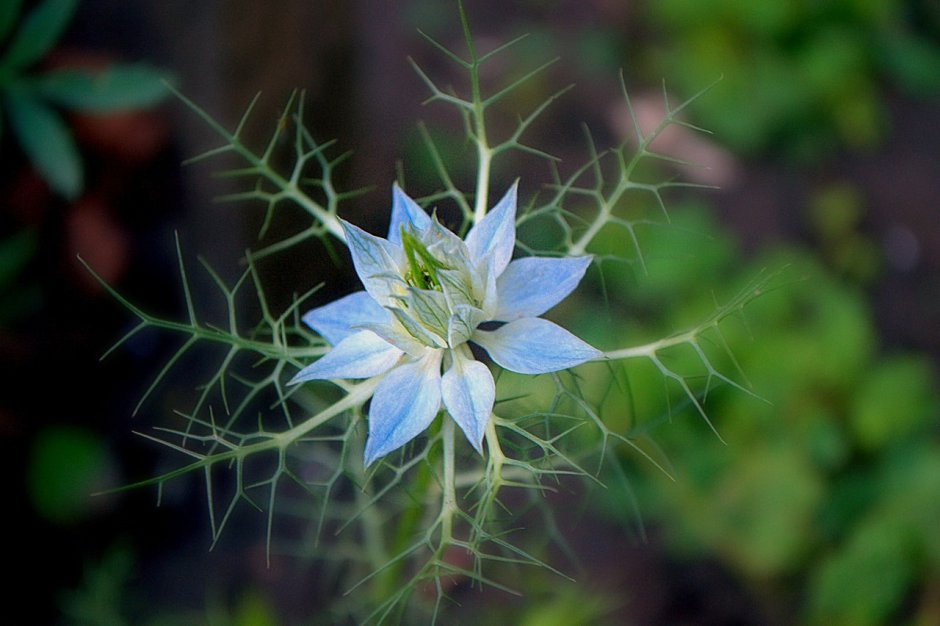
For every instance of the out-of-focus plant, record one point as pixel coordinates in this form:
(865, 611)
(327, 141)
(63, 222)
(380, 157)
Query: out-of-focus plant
(29, 96)
(826, 499)
(799, 76)
(106, 597)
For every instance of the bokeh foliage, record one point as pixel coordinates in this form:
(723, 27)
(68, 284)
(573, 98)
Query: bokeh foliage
(825, 498)
(800, 76)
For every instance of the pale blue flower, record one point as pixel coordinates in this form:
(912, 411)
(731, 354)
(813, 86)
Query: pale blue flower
(426, 294)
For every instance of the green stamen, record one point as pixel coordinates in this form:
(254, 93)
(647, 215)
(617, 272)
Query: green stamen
(422, 266)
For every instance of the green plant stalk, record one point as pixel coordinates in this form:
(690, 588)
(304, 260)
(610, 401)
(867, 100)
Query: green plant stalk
(289, 189)
(449, 499)
(390, 577)
(371, 524)
(478, 116)
(357, 396)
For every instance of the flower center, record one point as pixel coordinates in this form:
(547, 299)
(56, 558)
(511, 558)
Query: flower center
(422, 266)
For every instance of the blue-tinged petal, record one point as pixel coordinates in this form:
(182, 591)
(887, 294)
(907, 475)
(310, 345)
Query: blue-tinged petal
(416, 329)
(405, 211)
(445, 246)
(396, 334)
(484, 286)
(462, 323)
(495, 234)
(377, 262)
(361, 355)
(339, 319)
(404, 404)
(428, 307)
(457, 287)
(534, 346)
(468, 391)
(533, 285)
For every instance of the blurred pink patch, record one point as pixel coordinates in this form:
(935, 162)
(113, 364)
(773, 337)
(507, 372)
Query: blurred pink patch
(95, 236)
(677, 142)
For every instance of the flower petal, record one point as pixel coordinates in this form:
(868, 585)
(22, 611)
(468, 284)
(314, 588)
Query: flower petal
(533, 285)
(360, 355)
(534, 346)
(484, 287)
(405, 211)
(427, 307)
(445, 246)
(462, 323)
(395, 333)
(341, 318)
(404, 404)
(416, 330)
(468, 392)
(376, 260)
(495, 234)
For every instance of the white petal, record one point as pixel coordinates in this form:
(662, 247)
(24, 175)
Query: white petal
(428, 307)
(495, 234)
(404, 404)
(533, 285)
(445, 246)
(534, 346)
(457, 287)
(360, 355)
(405, 211)
(462, 323)
(485, 288)
(339, 319)
(395, 334)
(416, 329)
(377, 262)
(468, 392)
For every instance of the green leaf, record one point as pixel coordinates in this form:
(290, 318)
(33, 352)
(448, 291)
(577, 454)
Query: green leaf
(9, 12)
(913, 63)
(47, 142)
(895, 399)
(119, 87)
(866, 580)
(38, 33)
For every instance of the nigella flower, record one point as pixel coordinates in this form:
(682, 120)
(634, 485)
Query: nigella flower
(426, 294)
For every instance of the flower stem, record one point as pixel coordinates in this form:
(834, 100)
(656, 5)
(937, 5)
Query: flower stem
(449, 499)
(602, 218)
(483, 172)
(649, 349)
(492, 444)
(478, 122)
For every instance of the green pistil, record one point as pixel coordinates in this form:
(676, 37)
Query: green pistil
(422, 267)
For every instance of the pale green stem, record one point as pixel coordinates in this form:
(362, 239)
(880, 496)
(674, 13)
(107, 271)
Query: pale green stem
(326, 218)
(600, 221)
(357, 397)
(449, 500)
(483, 175)
(371, 524)
(484, 152)
(649, 349)
(497, 457)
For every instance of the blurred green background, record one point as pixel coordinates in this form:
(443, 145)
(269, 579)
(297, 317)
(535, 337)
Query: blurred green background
(824, 505)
